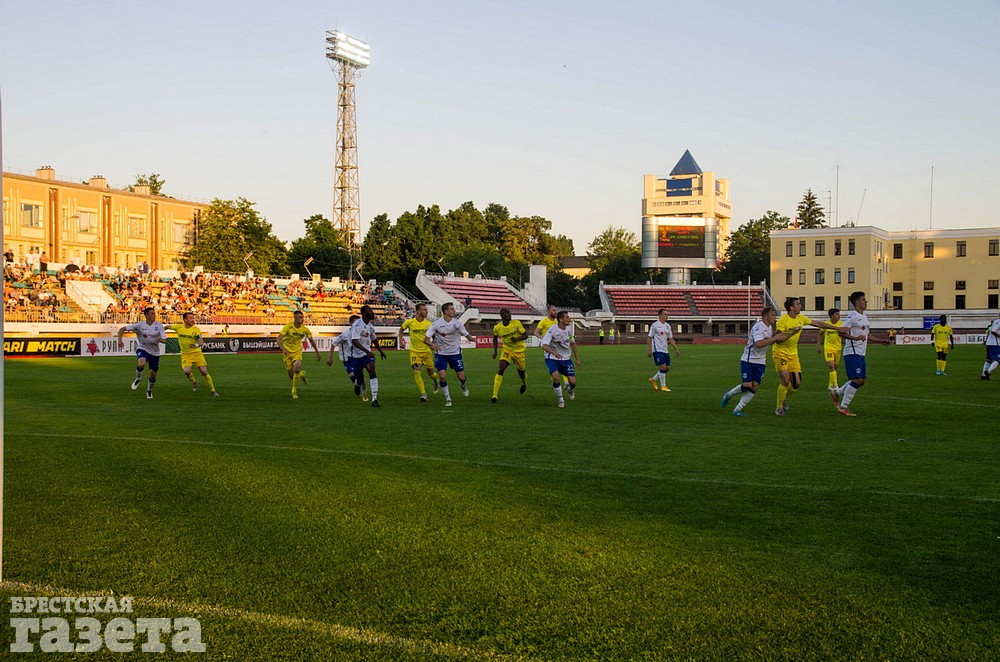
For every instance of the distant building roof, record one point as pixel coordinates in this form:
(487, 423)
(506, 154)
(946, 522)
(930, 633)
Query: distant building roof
(686, 166)
(574, 262)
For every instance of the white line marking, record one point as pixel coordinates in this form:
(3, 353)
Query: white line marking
(343, 632)
(533, 467)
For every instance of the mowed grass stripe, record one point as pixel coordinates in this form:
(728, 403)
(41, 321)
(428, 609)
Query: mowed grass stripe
(524, 467)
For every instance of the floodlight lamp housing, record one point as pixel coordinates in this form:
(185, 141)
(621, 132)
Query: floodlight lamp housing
(345, 48)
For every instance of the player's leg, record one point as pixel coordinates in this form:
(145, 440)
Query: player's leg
(747, 391)
(203, 369)
(418, 377)
(784, 387)
(498, 379)
(189, 374)
(556, 384)
(831, 363)
(140, 365)
(441, 364)
(459, 367)
(154, 367)
(664, 368)
(373, 381)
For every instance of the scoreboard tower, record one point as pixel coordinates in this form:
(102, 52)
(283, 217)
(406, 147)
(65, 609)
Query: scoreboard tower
(685, 220)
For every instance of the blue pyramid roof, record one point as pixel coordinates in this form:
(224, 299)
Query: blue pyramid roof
(686, 166)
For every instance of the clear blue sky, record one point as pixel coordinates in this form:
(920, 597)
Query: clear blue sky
(551, 108)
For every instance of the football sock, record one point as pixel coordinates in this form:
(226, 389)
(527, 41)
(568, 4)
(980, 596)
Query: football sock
(418, 379)
(782, 394)
(833, 378)
(745, 400)
(151, 384)
(138, 373)
(374, 386)
(850, 390)
(557, 387)
(295, 380)
(444, 389)
(944, 365)
(190, 377)
(734, 391)
(208, 379)
(662, 378)
(524, 376)
(993, 366)
(497, 381)
(565, 380)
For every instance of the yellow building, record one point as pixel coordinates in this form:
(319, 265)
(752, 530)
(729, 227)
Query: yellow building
(689, 192)
(931, 270)
(91, 223)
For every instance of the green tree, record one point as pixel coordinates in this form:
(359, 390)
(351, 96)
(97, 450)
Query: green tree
(565, 291)
(153, 181)
(611, 243)
(380, 250)
(471, 257)
(229, 230)
(810, 213)
(748, 257)
(324, 243)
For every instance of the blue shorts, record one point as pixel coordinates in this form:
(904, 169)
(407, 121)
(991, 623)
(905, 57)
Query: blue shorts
(993, 353)
(855, 366)
(752, 372)
(661, 358)
(444, 361)
(349, 366)
(358, 364)
(563, 367)
(151, 360)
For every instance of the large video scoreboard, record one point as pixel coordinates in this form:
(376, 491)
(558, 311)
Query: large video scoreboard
(679, 242)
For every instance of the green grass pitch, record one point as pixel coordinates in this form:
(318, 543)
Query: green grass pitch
(632, 524)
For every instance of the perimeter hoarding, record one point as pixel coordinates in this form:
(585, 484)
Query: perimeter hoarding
(686, 242)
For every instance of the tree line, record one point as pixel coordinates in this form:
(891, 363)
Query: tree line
(232, 235)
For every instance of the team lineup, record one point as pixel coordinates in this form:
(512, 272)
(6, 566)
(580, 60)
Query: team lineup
(435, 348)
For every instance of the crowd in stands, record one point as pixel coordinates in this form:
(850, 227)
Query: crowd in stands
(31, 295)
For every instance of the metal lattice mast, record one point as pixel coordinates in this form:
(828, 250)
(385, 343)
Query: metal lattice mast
(346, 188)
(349, 55)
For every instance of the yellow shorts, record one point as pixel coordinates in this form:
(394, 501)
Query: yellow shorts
(516, 359)
(787, 362)
(941, 348)
(833, 356)
(290, 359)
(425, 359)
(193, 359)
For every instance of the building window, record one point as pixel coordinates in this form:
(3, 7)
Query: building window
(959, 284)
(836, 246)
(820, 248)
(820, 276)
(928, 302)
(960, 249)
(180, 233)
(836, 302)
(836, 276)
(994, 247)
(86, 221)
(136, 227)
(897, 251)
(788, 276)
(850, 275)
(802, 276)
(897, 287)
(820, 303)
(959, 302)
(928, 249)
(802, 249)
(788, 249)
(850, 247)
(993, 301)
(928, 285)
(897, 302)
(31, 215)
(993, 284)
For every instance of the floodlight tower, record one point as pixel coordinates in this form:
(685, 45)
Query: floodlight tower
(347, 56)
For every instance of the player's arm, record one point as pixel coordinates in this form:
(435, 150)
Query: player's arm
(429, 339)
(121, 332)
(673, 343)
(951, 341)
(312, 341)
(576, 355)
(538, 331)
(357, 344)
(649, 344)
(780, 336)
(820, 341)
(281, 343)
(496, 340)
(333, 348)
(376, 345)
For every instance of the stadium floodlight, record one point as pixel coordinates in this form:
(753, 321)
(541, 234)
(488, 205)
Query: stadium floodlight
(348, 56)
(345, 48)
(306, 264)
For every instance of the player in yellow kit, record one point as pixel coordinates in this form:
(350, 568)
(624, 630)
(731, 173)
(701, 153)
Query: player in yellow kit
(943, 337)
(786, 352)
(189, 339)
(290, 339)
(831, 345)
(513, 334)
(421, 355)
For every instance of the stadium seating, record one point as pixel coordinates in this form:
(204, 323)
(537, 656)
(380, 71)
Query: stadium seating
(684, 301)
(646, 300)
(489, 296)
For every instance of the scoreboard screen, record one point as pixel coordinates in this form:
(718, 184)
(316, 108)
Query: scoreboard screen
(681, 241)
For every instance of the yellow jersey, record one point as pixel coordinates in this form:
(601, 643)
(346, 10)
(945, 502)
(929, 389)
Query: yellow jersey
(187, 337)
(418, 330)
(508, 333)
(785, 324)
(941, 334)
(545, 325)
(832, 342)
(292, 337)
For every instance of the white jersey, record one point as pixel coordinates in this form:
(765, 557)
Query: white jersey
(149, 336)
(559, 340)
(448, 335)
(343, 343)
(364, 333)
(752, 353)
(856, 324)
(662, 334)
(994, 328)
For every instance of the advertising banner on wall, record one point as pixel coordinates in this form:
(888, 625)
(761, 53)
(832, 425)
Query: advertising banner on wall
(41, 347)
